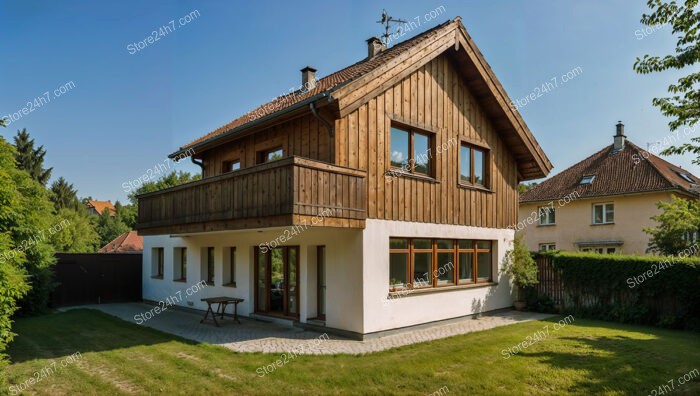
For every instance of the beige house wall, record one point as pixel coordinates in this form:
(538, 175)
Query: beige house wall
(574, 222)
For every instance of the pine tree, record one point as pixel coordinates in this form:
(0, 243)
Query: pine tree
(64, 195)
(31, 159)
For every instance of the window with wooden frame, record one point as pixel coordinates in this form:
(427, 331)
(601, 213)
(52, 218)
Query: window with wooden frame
(410, 151)
(473, 165)
(270, 155)
(207, 265)
(421, 263)
(231, 165)
(180, 264)
(157, 262)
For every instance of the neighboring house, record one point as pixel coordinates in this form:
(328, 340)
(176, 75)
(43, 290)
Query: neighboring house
(128, 242)
(381, 196)
(602, 203)
(98, 207)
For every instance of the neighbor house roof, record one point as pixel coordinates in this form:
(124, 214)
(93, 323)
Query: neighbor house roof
(628, 171)
(128, 242)
(342, 87)
(100, 206)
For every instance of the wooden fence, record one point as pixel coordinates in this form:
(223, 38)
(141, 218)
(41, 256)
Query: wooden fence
(94, 278)
(549, 280)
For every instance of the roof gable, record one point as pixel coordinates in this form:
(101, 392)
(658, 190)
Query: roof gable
(128, 242)
(628, 171)
(351, 87)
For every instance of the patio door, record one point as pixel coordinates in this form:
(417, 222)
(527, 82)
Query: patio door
(277, 280)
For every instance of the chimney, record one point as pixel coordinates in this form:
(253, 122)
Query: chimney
(619, 138)
(374, 47)
(308, 78)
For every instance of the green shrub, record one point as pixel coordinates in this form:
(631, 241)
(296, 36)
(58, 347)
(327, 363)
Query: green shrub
(662, 291)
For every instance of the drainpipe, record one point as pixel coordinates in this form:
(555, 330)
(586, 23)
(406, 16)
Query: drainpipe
(198, 163)
(329, 127)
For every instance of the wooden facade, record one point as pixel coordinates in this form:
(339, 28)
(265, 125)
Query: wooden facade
(442, 88)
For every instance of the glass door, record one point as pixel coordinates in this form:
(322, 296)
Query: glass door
(277, 281)
(321, 282)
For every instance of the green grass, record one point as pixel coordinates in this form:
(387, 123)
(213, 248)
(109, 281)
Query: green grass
(583, 358)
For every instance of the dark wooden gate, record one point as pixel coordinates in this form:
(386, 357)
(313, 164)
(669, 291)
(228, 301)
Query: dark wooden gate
(94, 278)
(549, 279)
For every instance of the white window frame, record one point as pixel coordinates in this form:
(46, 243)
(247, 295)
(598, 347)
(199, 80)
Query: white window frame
(605, 213)
(543, 247)
(550, 212)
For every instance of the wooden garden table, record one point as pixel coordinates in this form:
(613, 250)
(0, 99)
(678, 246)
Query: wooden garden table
(221, 303)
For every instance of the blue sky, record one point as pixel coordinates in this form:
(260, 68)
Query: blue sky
(125, 112)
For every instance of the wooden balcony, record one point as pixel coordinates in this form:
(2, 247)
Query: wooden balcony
(290, 191)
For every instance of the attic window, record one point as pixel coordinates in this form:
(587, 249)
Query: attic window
(588, 179)
(686, 177)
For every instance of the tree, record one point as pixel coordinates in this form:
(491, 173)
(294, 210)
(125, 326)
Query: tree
(31, 159)
(110, 227)
(127, 213)
(77, 233)
(25, 219)
(64, 195)
(172, 179)
(683, 106)
(678, 226)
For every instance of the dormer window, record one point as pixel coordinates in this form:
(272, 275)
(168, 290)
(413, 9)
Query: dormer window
(686, 177)
(588, 179)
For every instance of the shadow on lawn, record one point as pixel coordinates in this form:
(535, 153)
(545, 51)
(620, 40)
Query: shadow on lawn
(54, 335)
(622, 363)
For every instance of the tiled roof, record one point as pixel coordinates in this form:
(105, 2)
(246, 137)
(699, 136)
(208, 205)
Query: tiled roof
(100, 206)
(329, 82)
(631, 170)
(128, 242)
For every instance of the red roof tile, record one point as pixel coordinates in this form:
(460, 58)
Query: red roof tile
(631, 170)
(100, 206)
(128, 242)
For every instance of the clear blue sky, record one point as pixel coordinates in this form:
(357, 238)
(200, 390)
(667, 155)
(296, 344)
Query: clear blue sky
(126, 111)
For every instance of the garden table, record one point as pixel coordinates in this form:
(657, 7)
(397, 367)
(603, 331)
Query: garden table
(221, 303)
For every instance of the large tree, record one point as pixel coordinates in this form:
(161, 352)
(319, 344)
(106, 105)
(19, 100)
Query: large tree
(683, 105)
(31, 159)
(110, 227)
(77, 232)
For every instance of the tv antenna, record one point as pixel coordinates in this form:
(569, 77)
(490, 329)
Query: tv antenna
(387, 21)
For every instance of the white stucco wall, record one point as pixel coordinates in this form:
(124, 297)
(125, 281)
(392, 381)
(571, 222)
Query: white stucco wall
(343, 263)
(384, 313)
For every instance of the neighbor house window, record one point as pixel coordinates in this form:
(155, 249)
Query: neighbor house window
(180, 264)
(547, 246)
(270, 155)
(230, 267)
(157, 262)
(600, 250)
(546, 215)
(420, 263)
(208, 265)
(411, 151)
(473, 167)
(230, 166)
(603, 213)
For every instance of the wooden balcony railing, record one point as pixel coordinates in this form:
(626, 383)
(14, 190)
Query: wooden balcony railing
(286, 192)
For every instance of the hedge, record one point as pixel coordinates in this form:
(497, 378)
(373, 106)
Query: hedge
(655, 290)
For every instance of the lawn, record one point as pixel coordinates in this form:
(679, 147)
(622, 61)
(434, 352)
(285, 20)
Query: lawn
(583, 357)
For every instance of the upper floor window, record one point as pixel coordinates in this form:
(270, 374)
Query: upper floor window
(473, 165)
(603, 213)
(270, 155)
(230, 166)
(546, 215)
(410, 151)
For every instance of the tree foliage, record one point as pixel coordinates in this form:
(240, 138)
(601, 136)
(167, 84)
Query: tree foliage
(678, 222)
(64, 195)
(172, 179)
(77, 233)
(520, 265)
(31, 159)
(110, 227)
(683, 106)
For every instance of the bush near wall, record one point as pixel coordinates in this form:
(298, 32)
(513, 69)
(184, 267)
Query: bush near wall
(655, 290)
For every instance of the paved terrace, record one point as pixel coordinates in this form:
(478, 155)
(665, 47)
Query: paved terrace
(257, 336)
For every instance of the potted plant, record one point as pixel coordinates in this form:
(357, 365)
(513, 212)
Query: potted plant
(521, 268)
(394, 283)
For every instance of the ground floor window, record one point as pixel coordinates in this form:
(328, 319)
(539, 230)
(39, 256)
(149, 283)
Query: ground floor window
(157, 262)
(547, 246)
(600, 249)
(417, 263)
(207, 267)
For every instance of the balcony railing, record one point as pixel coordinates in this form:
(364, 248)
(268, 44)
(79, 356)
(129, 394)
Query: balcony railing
(286, 192)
